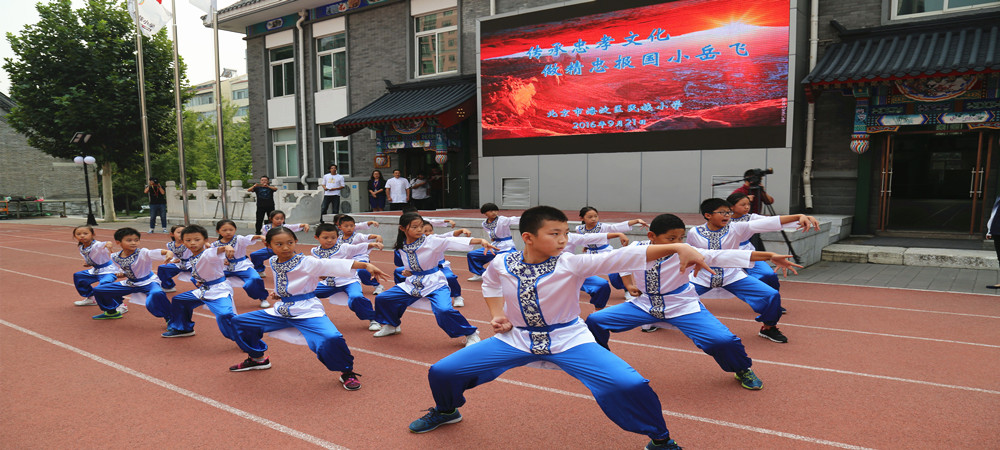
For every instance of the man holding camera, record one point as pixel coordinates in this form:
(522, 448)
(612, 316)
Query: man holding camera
(157, 204)
(753, 190)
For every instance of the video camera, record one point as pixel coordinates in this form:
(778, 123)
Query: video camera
(754, 176)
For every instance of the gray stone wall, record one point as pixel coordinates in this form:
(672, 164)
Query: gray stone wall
(28, 171)
(257, 71)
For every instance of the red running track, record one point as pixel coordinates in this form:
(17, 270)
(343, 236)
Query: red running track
(865, 368)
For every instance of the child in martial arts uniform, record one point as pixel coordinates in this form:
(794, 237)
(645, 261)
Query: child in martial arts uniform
(136, 266)
(331, 247)
(400, 274)
(718, 233)
(665, 294)
(591, 223)
(498, 229)
(741, 213)
(421, 255)
(296, 305)
(167, 272)
(347, 229)
(275, 219)
(97, 260)
(533, 298)
(238, 266)
(207, 265)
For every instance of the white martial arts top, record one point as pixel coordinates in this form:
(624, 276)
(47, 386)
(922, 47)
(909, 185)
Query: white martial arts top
(239, 262)
(601, 228)
(137, 267)
(667, 292)
(209, 266)
(358, 238)
(181, 252)
(545, 297)
(729, 237)
(298, 276)
(341, 251)
(425, 254)
(498, 231)
(294, 227)
(96, 254)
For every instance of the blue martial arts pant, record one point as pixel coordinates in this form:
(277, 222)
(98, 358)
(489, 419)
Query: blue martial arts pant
(622, 393)
(109, 297)
(322, 336)
(182, 308)
(356, 300)
(456, 289)
(84, 281)
(764, 300)
(253, 284)
(166, 274)
(479, 258)
(707, 333)
(391, 304)
(763, 272)
(258, 257)
(366, 278)
(598, 289)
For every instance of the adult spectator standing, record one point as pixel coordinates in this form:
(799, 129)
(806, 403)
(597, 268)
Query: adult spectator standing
(265, 199)
(418, 191)
(398, 189)
(376, 191)
(753, 190)
(157, 204)
(436, 183)
(333, 182)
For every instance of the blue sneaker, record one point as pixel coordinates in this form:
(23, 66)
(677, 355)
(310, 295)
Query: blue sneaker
(434, 419)
(172, 333)
(669, 444)
(749, 380)
(106, 315)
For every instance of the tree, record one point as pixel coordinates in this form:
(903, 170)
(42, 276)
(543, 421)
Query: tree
(75, 70)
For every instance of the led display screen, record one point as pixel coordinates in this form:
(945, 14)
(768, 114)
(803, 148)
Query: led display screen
(616, 76)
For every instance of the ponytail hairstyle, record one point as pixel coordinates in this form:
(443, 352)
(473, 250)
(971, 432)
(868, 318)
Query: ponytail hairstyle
(271, 215)
(404, 221)
(735, 197)
(584, 211)
(222, 222)
(276, 231)
(87, 227)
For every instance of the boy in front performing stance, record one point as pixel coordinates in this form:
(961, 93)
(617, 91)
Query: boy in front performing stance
(533, 296)
(665, 295)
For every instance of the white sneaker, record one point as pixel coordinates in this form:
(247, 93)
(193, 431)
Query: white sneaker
(173, 289)
(151, 231)
(387, 330)
(379, 290)
(374, 326)
(122, 308)
(472, 339)
(89, 301)
(475, 278)
(458, 301)
(264, 303)
(164, 230)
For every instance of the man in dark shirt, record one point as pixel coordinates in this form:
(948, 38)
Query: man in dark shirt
(265, 199)
(157, 204)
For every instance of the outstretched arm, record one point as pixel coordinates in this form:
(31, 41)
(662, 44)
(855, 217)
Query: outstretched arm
(688, 256)
(375, 271)
(639, 222)
(781, 262)
(806, 223)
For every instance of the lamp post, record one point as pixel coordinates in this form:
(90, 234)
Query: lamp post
(82, 138)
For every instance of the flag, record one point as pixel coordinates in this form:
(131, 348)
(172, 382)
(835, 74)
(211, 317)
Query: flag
(152, 15)
(204, 5)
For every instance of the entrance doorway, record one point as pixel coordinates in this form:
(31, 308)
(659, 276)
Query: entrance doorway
(935, 181)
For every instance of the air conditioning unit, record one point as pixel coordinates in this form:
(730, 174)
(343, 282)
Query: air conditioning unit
(350, 197)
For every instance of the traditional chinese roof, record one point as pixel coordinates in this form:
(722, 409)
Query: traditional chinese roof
(935, 48)
(6, 104)
(413, 101)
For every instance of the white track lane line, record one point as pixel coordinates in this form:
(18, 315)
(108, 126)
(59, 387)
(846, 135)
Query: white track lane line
(884, 287)
(179, 390)
(893, 308)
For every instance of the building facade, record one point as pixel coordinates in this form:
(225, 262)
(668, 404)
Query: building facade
(235, 91)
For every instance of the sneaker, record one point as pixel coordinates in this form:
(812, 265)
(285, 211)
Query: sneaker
(749, 380)
(168, 290)
(472, 339)
(374, 326)
(458, 301)
(151, 231)
(171, 333)
(387, 330)
(106, 315)
(122, 308)
(773, 334)
(649, 328)
(250, 364)
(670, 444)
(164, 230)
(265, 304)
(378, 290)
(89, 301)
(475, 278)
(350, 381)
(434, 419)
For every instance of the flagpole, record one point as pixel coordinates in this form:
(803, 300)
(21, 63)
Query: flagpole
(218, 115)
(142, 91)
(180, 116)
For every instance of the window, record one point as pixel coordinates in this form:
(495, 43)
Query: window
(332, 54)
(335, 149)
(282, 71)
(206, 98)
(903, 8)
(242, 111)
(208, 116)
(436, 44)
(241, 94)
(286, 153)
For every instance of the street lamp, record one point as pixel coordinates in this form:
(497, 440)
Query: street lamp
(82, 138)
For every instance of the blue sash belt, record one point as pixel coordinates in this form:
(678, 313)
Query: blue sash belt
(675, 291)
(427, 272)
(101, 266)
(148, 275)
(234, 261)
(594, 249)
(213, 282)
(295, 298)
(744, 242)
(500, 239)
(550, 328)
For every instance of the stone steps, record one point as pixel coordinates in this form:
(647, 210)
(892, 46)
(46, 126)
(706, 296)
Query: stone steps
(913, 256)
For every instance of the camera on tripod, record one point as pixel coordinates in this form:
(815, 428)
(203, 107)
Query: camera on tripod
(755, 176)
